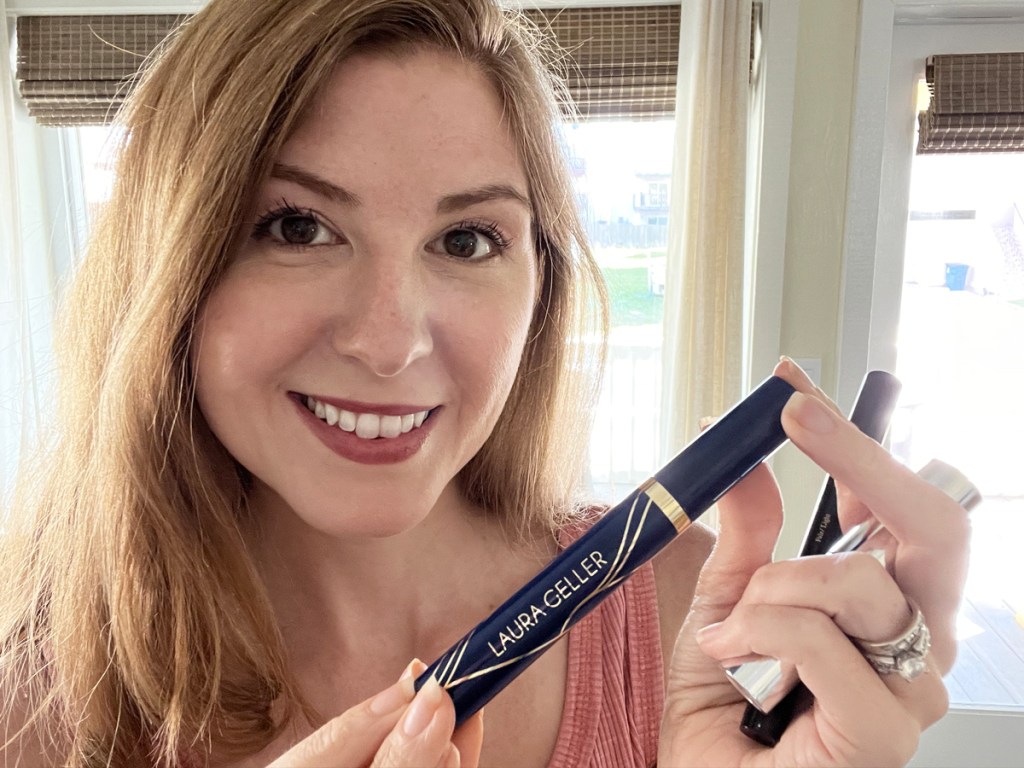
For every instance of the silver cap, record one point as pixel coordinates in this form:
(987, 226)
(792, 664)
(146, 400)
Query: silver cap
(762, 682)
(952, 482)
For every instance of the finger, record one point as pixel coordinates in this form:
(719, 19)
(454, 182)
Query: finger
(450, 758)
(851, 509)
(887, 487)
(829, 664)
(931, 529)
(424, 734)
(853, 589)
(787, 369)
(354, 737)
(750, 517)
(468, 740)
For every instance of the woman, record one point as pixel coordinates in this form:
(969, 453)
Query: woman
(320, 415)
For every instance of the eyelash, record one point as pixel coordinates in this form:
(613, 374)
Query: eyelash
(488, 229)
(284, 209)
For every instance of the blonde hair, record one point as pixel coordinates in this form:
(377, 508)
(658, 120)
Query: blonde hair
(130, 611)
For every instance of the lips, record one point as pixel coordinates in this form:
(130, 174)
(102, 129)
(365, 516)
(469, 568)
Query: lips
(364, 433)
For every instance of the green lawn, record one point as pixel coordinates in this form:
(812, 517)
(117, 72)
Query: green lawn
(631, 302)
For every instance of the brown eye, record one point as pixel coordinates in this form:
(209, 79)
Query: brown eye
(299, 230)
(469, 243)
(291, 227)
(466, 244)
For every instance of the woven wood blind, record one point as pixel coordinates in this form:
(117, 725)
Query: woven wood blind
(77, 70)
(624, 59)
(977, 104)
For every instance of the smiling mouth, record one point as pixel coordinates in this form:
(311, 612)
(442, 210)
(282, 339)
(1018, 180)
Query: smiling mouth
(368, 426)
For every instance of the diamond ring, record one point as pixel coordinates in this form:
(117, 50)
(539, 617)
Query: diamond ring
(905, 654)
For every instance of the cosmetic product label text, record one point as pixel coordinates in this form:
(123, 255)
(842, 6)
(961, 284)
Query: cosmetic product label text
(563, 589)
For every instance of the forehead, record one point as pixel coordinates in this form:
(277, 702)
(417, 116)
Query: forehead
(424, 114)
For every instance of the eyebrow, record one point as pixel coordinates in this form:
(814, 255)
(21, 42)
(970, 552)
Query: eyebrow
(447, 204)
(456, 202)
(314, 183)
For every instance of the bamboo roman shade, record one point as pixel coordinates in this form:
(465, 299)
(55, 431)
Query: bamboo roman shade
(977, 104)
(623, 59)
(77, 70)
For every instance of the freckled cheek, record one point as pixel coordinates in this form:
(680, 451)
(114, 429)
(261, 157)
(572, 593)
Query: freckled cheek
(495, 354)
(234, 347)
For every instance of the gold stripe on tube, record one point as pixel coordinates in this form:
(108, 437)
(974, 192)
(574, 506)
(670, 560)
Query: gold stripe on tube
(667, 504)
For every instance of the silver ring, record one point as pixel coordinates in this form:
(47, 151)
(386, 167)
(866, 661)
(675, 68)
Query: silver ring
(905, 654)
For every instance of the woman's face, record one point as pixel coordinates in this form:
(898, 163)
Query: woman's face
(360, 347)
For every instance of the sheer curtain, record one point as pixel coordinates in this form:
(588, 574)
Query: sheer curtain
(34, 247)
(704, 291)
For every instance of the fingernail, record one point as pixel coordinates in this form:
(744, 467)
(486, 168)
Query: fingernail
(709, 633)
(812, 414)
(706, 421)
(398, 694)
(415, 669)
(422, 709)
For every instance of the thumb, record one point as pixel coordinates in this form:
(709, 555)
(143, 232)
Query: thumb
(750, 517)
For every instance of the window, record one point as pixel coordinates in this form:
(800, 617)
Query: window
(617, 196)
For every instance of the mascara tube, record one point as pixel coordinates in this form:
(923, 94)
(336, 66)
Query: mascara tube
(498, 649)
(872, 411)
(764, 682)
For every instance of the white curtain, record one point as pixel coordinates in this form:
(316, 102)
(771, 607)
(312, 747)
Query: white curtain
(704, 289)
(31, 236)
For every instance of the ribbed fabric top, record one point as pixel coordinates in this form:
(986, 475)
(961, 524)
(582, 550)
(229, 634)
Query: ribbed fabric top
(615, 681)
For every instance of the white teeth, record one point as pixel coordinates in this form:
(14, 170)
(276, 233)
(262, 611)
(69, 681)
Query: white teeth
(390, 426)
(366, 425)
(347, 421)
(331, 414)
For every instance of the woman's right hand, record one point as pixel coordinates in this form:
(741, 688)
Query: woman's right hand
(396, 728)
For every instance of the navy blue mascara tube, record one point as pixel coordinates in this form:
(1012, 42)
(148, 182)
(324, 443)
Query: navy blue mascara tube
(498, 649)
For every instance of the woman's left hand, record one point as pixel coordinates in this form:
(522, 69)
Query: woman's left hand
(805, 611)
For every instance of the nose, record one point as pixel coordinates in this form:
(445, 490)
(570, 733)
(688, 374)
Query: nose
(385, 318)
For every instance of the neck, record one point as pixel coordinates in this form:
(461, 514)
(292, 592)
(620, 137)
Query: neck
(392, 598)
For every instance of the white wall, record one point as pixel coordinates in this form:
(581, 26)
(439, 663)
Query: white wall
(823, 99)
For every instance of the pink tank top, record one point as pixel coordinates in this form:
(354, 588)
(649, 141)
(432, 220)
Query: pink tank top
(615, 682)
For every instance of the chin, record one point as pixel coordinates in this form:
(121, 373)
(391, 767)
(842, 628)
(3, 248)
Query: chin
(376, 515)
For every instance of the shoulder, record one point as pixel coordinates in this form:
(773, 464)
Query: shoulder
(676, 570)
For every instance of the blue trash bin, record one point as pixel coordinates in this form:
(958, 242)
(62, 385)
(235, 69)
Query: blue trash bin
(956, 276)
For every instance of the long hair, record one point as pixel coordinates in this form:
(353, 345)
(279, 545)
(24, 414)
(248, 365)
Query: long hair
(130, 613)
